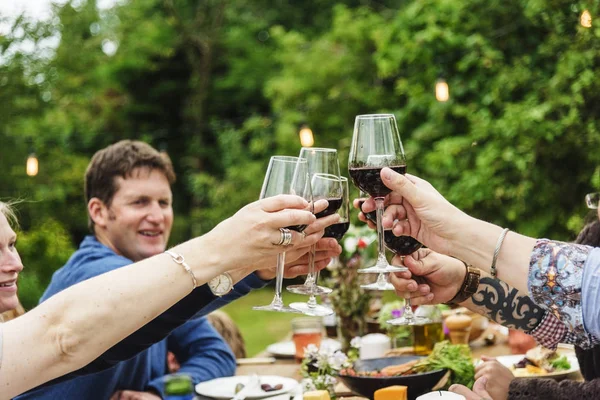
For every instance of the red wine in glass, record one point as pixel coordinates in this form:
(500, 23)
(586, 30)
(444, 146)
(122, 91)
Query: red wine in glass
(334, 205)
(401, 245)
(368, 179)
(337, 231)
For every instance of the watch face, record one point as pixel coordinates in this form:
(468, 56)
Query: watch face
(220, 285)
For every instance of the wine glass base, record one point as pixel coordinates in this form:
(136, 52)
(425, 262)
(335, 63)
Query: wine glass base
(382, 270)
(314, 311)
(273, 308)
(409, 321)
(309, 290)
(378, 286)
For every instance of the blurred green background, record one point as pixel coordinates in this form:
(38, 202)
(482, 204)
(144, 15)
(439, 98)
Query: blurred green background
(222, 85)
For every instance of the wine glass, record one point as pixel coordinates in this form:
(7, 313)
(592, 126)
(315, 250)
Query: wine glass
(337, 231)
(323, 161)
(324, 186)
(376, 144)
(285, 175)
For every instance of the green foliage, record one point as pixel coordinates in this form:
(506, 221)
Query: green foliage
(42, 249)
(225, 85)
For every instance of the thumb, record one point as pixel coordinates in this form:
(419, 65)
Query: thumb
(479, 387)
(488, 358)
(417, 267)
(399, 184)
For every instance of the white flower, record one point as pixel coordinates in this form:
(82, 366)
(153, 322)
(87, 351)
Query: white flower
(355, 342)
(311, 351)
(307, 385)
(337, 360)
(330, 380)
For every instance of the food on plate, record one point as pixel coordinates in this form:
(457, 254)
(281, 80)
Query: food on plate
(454, 357)
(269, 388)
(540, 361)
(316, 395)
(239, 387)
(396, 392)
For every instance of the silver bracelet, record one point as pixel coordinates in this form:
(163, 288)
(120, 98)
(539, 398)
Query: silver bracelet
(178, 258)
(497, 251)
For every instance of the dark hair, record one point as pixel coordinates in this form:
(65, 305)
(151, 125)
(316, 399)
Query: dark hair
(590, 234)
(121, 159)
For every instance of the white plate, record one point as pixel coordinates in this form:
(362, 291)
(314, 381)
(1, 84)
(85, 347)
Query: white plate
(287, 349)
(224, 388)
(509, 361)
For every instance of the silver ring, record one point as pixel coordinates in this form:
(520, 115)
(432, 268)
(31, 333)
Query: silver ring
(287, 234)
(285, 238)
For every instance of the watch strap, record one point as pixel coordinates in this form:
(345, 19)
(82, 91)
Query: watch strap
(469, 285)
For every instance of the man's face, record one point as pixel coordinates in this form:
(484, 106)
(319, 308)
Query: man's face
(139, 219)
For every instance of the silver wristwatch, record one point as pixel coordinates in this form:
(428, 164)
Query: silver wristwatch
(221, 285)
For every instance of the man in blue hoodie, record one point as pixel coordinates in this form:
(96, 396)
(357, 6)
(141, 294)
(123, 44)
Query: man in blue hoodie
(128, 193)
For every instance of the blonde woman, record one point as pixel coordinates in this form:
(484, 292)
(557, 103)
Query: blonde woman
(68, 331)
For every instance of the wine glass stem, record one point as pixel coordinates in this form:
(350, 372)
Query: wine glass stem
(277, 300)
(311, 277)
(380, 238)
(408, 313)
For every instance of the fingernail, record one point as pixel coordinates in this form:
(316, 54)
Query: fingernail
(452, 387)
(483, 380)
(386, 173)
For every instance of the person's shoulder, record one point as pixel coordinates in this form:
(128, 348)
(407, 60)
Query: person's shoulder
(91, 259)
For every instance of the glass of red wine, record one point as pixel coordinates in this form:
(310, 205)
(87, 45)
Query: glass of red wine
(337, 231)
(285, 175)
(328, 187)
(376, 144)
(320, 161)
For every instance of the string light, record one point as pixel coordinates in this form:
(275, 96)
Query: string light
(586, 19)
(306, 136)
(32, 165)
(442, 91)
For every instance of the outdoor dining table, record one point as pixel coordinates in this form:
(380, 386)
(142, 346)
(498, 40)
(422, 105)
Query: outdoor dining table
(288, 367)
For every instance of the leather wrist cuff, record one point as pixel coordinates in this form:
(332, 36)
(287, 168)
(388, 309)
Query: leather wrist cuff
(469, 285)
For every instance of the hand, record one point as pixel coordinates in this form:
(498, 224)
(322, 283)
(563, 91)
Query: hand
(440, 277)
(415, 208)
(297, 258)
(498, 376)
(479, 391)
(254, 230)
(133, 395)
(325, 249)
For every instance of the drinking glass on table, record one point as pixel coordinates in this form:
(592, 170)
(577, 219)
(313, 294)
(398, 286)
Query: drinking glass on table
(306, 331)
(320, 161)
(285, 175)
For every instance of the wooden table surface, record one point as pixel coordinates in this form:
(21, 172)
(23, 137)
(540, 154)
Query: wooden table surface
(288, 367)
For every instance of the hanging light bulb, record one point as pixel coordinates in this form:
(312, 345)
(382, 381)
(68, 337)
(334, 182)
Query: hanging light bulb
(32, 165)
(586, 19)
(442, 91)
(306, 136)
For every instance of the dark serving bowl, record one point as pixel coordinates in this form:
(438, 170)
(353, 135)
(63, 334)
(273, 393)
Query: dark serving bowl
(367, 385)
